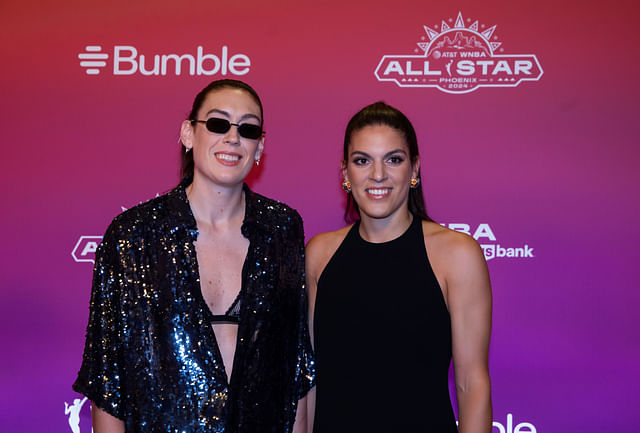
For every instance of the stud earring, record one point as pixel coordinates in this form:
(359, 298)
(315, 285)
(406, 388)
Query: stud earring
(186, 149)
(415, 181)
(346, 185)
(257, 162)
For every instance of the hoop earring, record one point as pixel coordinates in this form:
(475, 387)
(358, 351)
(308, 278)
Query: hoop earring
(415, 181)
(346, 185)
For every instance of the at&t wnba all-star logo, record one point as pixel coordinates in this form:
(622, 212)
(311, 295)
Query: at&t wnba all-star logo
(459, 57)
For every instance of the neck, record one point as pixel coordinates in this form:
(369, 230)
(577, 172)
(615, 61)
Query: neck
(378, 230)
(215, 205)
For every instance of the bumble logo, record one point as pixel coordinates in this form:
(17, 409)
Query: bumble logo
(508, 427)
(523, 427)
(93, 59)
(128, 60)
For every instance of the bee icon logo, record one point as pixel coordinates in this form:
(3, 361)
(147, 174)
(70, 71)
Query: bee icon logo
(93, 59)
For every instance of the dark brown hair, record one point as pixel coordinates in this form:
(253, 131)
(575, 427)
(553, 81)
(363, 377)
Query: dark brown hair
(186, 165)
(380, 113)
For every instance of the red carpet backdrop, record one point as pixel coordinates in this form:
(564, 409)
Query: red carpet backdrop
(526, 114)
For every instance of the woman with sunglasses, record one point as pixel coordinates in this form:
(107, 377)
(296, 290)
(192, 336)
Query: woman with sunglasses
(394, 296)
(198, 319)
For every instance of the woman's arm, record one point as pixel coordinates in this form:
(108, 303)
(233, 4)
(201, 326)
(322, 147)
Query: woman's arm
(101, 372)
(311, 409)
(300, 425)
(312, 253)
(469, 302)
(103, 422)
(319, 251)
(305, 358)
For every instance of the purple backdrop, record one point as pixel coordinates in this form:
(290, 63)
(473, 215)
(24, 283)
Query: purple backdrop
(547, 168)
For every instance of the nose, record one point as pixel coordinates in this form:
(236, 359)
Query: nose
(232, 136)
(378, 171)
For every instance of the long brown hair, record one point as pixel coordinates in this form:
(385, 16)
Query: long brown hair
(186, 165)
(380, 113)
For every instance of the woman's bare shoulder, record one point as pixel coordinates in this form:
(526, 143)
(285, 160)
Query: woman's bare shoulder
(450, 246)
(321, 248)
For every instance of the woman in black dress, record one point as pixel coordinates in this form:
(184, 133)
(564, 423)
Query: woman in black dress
(394, 297)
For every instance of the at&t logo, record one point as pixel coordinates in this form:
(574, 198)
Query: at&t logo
(483, 234)
(126, 60)
(459, 57)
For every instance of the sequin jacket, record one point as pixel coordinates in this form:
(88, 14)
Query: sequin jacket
(151, 356)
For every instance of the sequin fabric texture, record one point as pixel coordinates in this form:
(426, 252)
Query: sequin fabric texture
(151, 357)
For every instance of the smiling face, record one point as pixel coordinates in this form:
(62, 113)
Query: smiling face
(224, 158)
(380, 169)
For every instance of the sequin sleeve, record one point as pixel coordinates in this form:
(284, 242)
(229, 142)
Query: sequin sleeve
(305, 371)
(100, 374)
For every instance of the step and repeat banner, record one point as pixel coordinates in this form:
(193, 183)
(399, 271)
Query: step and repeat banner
(526, 114)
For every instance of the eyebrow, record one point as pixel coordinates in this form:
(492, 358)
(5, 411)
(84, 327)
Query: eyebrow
(386, 155)
(226, 113)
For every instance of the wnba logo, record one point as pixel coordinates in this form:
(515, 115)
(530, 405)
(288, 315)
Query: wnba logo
(128, 61)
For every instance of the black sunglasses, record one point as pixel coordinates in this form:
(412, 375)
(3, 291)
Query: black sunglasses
(222, 126)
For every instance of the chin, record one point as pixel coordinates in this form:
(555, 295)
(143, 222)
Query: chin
(376, 213)
(381, 210)
(223, 181)
(228, 177)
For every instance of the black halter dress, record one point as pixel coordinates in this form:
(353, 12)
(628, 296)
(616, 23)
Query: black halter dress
(382, 339)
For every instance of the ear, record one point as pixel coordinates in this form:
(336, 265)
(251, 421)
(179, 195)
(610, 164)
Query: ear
(343, 167)
(415, 167)
(186, 134)
(260, 148)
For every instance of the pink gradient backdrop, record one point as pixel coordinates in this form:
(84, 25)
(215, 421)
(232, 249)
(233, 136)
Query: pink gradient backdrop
(552, 164)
